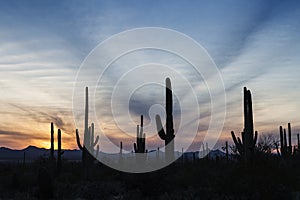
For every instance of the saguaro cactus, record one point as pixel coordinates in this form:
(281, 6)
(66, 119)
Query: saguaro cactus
(246, 146)
(139, 146)
(286, 149)
(88, 141)
(121, 153)
(168, 135)
(52, 142)
(59, 151)
(226, 151)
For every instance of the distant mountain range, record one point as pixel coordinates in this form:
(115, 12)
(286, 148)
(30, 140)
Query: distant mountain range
(33, 153)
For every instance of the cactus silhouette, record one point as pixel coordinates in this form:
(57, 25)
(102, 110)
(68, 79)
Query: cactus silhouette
(246, 146)
(139, 146)
(93, 141)
(52, 142)
(59, 151)
(226, 151)
(168, 135)
(286, 148)
(121, 153)
(88, 152)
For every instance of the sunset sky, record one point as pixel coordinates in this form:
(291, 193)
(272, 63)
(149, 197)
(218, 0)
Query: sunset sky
(43, 43)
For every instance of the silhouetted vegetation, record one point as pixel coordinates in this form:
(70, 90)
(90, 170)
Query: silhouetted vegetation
(264, 175)
(168, 135)
(88, 151)
(246, 146)
(201, 179)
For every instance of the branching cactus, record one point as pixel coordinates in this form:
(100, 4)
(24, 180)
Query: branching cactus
(168, 134)
(89, 142)
(286, 148)
(246, 146)
(139, 146)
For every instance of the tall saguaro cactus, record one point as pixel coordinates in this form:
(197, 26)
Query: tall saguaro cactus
(246, 146)
(168, 135)
(139, 146)
(52, 141)
(88, 141)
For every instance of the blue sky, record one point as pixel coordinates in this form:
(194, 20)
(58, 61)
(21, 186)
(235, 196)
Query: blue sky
(42, 44)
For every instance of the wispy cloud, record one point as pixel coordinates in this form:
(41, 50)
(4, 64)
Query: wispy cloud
(42, 45)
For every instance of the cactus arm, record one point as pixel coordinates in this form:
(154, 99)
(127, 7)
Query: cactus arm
(90, 138)
(281, 137)
(243, 136)
(160, 129)
(78, 140)
(144, 142)
(254, 139)
(237, 142)
(290, 148)
(284, 138)
(241, 146)
(96, 141)
(234, 138)
(92, 135)
(277, 149)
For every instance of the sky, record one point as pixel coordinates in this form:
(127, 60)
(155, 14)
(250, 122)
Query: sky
(43, 44)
